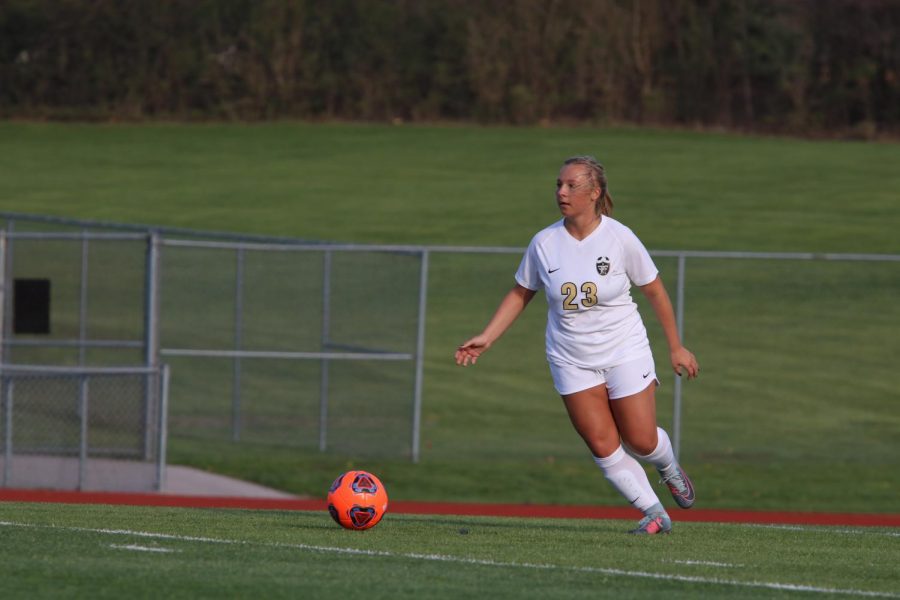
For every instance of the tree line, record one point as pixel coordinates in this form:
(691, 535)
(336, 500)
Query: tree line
(792, 66)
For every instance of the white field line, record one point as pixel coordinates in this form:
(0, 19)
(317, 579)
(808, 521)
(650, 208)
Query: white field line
(138, 548)
(821, 529)
(475, 561)
(705, 563)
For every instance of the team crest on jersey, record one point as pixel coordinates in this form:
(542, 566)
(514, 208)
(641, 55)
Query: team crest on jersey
(602, 265)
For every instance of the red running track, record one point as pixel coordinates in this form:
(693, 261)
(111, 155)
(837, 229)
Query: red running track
(456, 508)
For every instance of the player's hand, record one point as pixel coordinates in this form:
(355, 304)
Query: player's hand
(682, 358)
(470, 350)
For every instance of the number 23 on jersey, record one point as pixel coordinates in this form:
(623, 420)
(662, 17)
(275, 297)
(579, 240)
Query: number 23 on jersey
(569, 293)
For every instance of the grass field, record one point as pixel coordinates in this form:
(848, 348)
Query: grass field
(455, 185)
(52, 551)
(797, 396)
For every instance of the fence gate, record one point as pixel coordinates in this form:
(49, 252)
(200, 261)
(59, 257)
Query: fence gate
(83, 428)
(82, 398)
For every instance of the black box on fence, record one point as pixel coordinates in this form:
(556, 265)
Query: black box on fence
(31, 306)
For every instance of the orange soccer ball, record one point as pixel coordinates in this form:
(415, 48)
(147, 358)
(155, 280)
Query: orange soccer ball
(357, 500)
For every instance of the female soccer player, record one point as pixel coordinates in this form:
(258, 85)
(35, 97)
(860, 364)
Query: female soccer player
(597, 346)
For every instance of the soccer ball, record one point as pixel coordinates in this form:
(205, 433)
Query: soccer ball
(357, 500)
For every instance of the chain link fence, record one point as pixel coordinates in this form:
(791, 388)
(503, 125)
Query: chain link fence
(83, 428)
(307, 345)
(303, 345)
(321, 346)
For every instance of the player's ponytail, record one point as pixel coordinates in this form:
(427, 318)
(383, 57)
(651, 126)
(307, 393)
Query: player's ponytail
(597, 174)
(605, 203)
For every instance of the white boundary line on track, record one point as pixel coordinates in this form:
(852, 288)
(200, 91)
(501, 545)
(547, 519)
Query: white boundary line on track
(471, 561)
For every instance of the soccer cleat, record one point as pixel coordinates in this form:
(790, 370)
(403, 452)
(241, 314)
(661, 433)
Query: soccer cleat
(653, 524)
(681, 487)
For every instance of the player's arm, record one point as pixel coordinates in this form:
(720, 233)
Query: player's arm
(510, 308)
(680, 356)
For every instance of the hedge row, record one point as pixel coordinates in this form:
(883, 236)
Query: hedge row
(810, 66)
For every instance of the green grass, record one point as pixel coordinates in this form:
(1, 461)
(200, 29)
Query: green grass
(797, 393)
(115, 551)
(455, 185)
(739, 483)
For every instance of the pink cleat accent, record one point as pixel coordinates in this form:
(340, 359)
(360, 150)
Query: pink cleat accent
(680, 486)
(653, 524)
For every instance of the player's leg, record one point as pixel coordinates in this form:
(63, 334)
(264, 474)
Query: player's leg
(678, 482)
(655, 520)
(586, 399)
(590, 415)
(635, 416)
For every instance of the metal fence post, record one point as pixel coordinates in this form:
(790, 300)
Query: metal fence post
(420, 357)
(162, 429)
(83, 299)
(7, 402)
(7, 429)
(679, 319)
(4, 293)
(151, 331)
(7, 266)
(326, 333)
(238, 345)
(83, 437)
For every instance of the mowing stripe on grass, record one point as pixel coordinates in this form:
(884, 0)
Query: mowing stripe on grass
(471, 561)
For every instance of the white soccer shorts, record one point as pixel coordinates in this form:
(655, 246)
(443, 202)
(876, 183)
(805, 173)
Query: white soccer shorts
(621, 380)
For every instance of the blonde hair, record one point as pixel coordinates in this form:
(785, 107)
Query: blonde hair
(597, 174)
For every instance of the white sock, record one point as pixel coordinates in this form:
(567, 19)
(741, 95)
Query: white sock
(629, 478)
(663, 458)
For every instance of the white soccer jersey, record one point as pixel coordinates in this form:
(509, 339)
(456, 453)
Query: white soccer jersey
(592, 321)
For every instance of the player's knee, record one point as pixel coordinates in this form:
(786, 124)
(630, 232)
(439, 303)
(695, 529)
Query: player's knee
(601, 445)
(642, 444)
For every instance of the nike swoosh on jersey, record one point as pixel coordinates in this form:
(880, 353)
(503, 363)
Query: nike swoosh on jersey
(553, 270)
